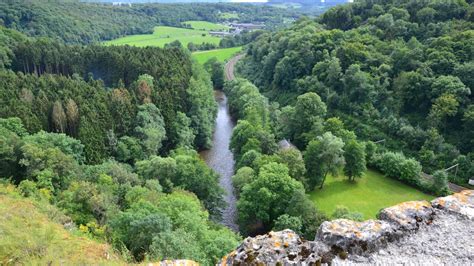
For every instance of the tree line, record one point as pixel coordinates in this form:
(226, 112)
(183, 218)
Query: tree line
(397, 71)
(109, 136)
(84, 23)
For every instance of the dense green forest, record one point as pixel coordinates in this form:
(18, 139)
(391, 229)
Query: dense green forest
(109, 136)
(83, 23)
(399, 72)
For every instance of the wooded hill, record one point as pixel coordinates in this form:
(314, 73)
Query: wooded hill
(398, 71)
(75, 22)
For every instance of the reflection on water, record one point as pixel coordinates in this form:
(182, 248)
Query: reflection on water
(221, 159)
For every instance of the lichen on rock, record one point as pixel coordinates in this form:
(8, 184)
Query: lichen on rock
(354, 237)
(408, 215)
(283, 247)
(412, 232)
(460, 203)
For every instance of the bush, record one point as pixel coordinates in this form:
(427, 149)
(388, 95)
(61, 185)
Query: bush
(396, 165)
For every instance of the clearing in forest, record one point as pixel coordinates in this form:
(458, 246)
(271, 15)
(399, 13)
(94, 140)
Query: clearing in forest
(367, 195)
(164, 34)
(206, 26)
(221, 54)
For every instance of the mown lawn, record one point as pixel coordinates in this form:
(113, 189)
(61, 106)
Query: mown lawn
(163, 35)
(221, 54)
(367, 195)
(206, 26)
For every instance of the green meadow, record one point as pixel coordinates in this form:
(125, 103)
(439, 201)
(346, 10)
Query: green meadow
(367, 195)
(206, 26)
(163, 35)
(221, 54)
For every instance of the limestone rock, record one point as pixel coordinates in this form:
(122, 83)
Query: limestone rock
(283, 247)
(460, 203)
(408, 215)
(354, 237)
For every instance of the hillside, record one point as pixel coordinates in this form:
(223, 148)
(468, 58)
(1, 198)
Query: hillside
(34, 233)
(84, 23)
(398, 73)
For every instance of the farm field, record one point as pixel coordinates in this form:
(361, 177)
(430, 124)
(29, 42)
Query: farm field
(164, 34)
(206, 26)
(221, 54)
(367, 195)
(229, 15)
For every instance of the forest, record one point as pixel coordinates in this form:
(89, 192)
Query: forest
(104, 141)
(398, 73)
(83, 23)
(109, 136)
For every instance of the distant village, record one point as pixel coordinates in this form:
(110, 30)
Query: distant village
(237, 28)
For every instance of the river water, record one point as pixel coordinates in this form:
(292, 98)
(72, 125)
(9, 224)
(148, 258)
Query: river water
(221, 159)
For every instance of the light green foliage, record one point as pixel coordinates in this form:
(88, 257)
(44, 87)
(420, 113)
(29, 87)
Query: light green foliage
(182, 135)
(187, 171)
(222, 55)
(245, 175)
(164, 35)
(440, 182)
(14, 125)
(443, 107)
(308, 113)
(368, 195)
(205, 25)
(216, 70)
(354, 156)
(342, 212)
(69, 146)
(150, 128)
(288, 222)
(293, 159)
(322, 157)
(267, 197)
(203, 109)
(396, 165)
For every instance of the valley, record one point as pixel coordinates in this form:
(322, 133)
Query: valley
(213, 133)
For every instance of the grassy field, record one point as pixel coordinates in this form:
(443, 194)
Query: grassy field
(206, 26)
(30, 236)
(367, 195)
(228, 15)
(163, 35)
(221, 54)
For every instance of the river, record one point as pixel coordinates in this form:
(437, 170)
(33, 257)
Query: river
(221, 159)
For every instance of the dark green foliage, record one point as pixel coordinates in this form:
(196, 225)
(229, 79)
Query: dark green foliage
(216, 70)
(396, 165)
(391, 70)
(85, 23)
(354, 155)
(440, 183)
(266, 198)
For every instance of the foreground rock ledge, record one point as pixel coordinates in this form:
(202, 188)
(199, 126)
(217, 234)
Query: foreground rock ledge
(415, 232)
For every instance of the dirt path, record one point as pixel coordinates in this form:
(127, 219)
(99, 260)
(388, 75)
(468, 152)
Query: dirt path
(229, 67)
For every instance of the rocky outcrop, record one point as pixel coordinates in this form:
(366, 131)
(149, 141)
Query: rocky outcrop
(354, 237)
(410, 232)
(284, 246)
(461, 203)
